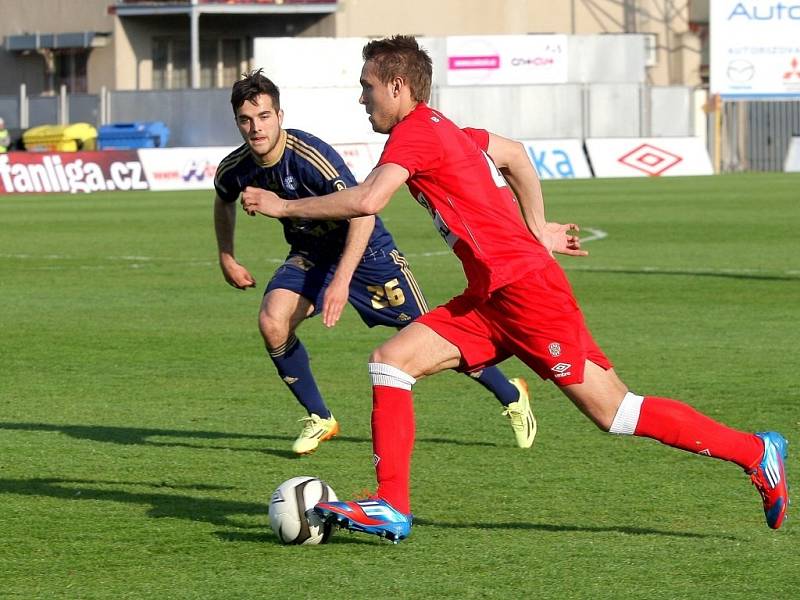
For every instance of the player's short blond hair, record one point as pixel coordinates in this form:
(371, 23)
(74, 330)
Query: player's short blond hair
(401, 56)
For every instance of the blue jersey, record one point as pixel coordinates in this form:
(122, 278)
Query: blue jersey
(307, 167)
(382, 290)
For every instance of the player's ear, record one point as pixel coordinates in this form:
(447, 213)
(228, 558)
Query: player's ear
(395, 85)
(280, 117)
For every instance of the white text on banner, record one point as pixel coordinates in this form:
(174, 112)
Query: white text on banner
(558, 159)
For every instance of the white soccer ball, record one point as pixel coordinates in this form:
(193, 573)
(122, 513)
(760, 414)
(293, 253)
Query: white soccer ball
(291, 515)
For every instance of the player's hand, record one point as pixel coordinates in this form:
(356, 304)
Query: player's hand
(333, 303)
(255, 200)
(236, 275)
(563, 239)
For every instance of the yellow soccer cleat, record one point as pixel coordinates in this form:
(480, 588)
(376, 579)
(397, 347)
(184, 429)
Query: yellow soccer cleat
(521, 416)
(315, 430)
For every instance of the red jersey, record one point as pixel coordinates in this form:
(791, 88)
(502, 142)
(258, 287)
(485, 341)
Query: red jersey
(470, 203)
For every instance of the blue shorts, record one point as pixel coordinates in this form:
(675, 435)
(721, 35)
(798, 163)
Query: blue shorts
(383, 290)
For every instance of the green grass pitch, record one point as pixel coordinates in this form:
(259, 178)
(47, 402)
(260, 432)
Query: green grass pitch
(142, 429)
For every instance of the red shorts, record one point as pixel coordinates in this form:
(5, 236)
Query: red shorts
(536, 319)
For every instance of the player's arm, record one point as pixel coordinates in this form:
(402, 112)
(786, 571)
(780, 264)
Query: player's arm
(225, 227)
(367, 198)
(338, 290)
(512, 160)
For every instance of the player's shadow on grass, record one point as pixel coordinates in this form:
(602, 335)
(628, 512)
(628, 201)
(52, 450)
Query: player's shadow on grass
(160, 498)
(145, 437)
(549, 527)
(162, 502)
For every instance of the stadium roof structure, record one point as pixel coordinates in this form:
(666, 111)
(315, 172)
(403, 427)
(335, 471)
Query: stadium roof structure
(53, 41)
(194, 8)
(132, 8)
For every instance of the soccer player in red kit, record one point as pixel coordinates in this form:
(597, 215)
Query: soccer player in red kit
(517, 301)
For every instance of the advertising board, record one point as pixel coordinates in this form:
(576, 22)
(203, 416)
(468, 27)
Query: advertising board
(182, 168)
(755, 48)
(73, 172)
(648, 157)
(506, 59)
(792, 162)
(558, 159)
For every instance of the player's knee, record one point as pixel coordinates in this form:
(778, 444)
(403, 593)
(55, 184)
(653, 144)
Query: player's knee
(274, 331)
(384, 355)
(377, 355)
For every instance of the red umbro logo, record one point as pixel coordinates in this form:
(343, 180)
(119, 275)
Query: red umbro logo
(650, 159)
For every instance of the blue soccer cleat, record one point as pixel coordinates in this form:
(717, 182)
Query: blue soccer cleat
(374, 516)
(769, 477)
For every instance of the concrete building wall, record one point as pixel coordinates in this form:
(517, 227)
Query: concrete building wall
(101, 68)
(125, 63)
(129, 35)
(677, 49)
(59, 16)
(377, 18)
(20, 17)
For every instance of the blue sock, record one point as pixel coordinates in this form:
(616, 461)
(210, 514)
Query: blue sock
(293, 366)
(493, 380)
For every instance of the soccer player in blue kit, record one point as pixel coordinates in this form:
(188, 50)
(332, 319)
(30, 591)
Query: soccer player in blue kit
(329, 263)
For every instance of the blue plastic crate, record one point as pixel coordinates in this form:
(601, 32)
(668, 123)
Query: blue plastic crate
(127, 136)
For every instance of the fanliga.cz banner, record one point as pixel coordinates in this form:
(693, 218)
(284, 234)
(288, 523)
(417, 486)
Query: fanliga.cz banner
(155, 169)
(73, 172)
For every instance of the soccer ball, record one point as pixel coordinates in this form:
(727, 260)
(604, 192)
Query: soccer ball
(291, 515)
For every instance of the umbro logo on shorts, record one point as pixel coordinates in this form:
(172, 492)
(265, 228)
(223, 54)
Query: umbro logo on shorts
(561, 369)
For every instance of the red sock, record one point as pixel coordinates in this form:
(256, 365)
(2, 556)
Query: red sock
(679, 425)
(392, 443)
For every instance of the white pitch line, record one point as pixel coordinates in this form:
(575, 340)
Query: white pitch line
(594, 235)
(597, 234)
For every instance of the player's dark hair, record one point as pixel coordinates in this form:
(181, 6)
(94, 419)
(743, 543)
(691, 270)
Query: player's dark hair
(252, 85)
(401, 56)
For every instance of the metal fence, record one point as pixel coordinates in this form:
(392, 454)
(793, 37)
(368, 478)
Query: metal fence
(753, 135)
(756, 134)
